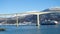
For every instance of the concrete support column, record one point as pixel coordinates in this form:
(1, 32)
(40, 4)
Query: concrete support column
(38, 24)
(6, 19)
(17, 20)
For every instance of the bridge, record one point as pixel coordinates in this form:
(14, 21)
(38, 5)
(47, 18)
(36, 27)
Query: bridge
(35, 13)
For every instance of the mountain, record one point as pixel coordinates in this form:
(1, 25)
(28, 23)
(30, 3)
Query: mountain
(32, 18)
(52, 9)
(21, 18)
(51, 16)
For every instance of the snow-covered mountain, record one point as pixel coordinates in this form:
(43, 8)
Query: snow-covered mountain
(52, 9)
(21, 18)
(32, 18)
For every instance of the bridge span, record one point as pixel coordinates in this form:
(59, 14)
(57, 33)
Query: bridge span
(35, 13)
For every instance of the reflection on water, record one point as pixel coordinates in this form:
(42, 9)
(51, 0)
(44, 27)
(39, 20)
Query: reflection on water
(42, 29)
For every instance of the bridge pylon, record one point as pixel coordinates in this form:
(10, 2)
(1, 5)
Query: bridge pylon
(38, 21)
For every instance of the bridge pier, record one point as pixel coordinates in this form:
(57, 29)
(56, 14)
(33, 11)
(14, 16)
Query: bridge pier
(38, 21)
(16, 20)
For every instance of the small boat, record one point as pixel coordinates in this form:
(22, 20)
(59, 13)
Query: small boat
(2, 29)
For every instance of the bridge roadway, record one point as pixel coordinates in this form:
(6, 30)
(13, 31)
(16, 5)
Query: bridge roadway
(35, 13)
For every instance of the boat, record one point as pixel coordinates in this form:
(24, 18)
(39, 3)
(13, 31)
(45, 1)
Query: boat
(2, 29)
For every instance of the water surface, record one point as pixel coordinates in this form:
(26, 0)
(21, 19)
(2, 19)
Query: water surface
(31, 29)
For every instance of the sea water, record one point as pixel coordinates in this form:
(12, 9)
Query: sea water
(31, 29)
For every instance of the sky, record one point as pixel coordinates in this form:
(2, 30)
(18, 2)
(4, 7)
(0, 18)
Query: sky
(19, 6)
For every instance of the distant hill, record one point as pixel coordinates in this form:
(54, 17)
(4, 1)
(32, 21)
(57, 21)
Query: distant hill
(21, 18)
(51, 16)
(52, 9)
(33, 18)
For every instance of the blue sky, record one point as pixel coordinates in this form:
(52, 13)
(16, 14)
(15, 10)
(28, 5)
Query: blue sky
(17, 6)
